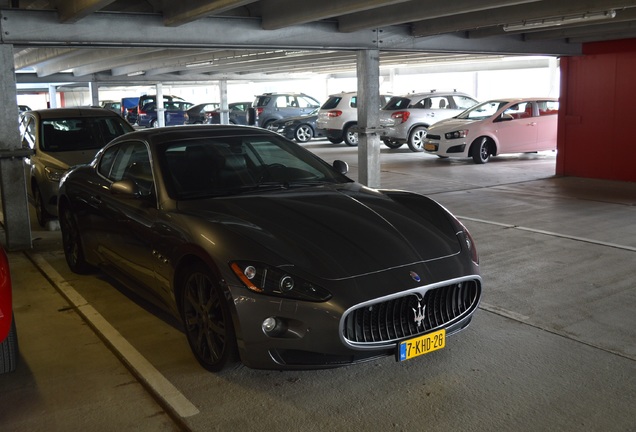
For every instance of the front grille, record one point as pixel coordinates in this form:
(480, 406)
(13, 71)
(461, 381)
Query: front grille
(433, 137)
(396, 318)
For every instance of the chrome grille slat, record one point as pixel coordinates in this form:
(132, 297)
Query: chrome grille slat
(395, 319)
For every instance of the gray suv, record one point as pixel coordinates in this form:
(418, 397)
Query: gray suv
(270, 107)
(405, 119)
(61, 138)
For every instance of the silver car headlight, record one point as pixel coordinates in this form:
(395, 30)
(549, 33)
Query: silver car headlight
(264, 279)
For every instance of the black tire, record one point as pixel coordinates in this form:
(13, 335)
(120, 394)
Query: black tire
(267, 123)
(9, 350)
(72, 243)
(154, 123)
(207, 320)
(481, 150)
(416, 139)
(392, 144)
(350, 137)
(304, 133)
(335, 140)
(41, 214)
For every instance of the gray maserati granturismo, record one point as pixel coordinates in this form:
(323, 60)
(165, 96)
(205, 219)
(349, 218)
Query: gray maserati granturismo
(268, 255)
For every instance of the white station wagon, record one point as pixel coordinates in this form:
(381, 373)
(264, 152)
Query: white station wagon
(496, 127)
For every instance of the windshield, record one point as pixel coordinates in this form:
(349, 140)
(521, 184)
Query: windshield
(482, 111)
(222, 166)
(82, 133)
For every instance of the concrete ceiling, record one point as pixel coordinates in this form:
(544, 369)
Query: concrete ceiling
(133, 41)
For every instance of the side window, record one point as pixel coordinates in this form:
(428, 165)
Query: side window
(439, 102)
(520, 110)
(548, 108)
(304, 102)
(132, 162)
(106, 161)
(463, 102)
(281, 102)
(425, 103)
(354, 102)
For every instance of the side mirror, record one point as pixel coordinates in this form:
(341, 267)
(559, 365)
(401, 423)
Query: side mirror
(341, 166)
(125, 187)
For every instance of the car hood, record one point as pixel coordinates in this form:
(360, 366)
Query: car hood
(336, 232)
(67, 159)
(451, 123)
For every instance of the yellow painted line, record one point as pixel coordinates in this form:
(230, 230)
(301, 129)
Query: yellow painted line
(144, 370)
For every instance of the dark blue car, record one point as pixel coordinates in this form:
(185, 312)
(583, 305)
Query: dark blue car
(174, 114)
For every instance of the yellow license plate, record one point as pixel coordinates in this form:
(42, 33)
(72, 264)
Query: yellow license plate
(430, 147)
(421, 345)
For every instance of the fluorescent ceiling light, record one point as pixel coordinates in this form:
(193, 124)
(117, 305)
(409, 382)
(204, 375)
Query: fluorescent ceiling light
(136, 73)
(558, 21)
(198, 64)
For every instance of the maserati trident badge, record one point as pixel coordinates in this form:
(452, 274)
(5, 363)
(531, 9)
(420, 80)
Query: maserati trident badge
(418, 314)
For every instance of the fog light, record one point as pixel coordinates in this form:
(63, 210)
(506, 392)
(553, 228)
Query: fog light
(269, 324)
(286, 284)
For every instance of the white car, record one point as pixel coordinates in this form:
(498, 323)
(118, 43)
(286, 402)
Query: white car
(406, 119)
(338, 116)
(496, 127)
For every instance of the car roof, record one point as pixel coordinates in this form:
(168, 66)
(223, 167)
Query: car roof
(172, 133)
(53, 113)
(525, 99)
(435, 92)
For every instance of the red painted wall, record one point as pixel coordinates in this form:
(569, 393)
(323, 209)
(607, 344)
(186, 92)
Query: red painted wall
(597, 137)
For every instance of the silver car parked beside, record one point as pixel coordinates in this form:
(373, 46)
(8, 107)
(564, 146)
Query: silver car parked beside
(61, 138)
(405, 119)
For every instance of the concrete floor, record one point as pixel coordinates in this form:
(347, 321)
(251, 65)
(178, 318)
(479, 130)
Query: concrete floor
(553, 346)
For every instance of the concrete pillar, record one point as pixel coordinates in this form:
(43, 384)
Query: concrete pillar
(161, 111)
(15, 211)
(368, 71)
(225, 113)
(52, 96)
(94, 93)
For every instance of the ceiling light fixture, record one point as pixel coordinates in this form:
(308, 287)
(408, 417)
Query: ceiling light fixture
(136, 73)
(199, 64)
(558, 21)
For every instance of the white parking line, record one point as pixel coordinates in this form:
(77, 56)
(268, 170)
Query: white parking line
(552, 233)
(143, 369)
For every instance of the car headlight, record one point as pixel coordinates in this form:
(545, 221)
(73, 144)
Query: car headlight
(456, 134)
(53, 174)
(264, 279)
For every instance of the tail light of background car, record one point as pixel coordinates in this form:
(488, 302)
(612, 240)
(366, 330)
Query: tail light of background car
(259, 111)
(401, 116)
(334, 113)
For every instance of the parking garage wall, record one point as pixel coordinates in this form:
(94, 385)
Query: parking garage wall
(596, 138)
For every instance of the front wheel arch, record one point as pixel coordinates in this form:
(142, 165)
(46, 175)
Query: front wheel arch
(207, 315)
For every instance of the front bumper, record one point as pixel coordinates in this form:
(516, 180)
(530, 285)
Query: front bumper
(450, 148)
(321, 335)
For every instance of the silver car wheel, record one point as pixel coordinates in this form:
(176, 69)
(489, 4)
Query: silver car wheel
(351, 137)
(416, 140)
(304, 133)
